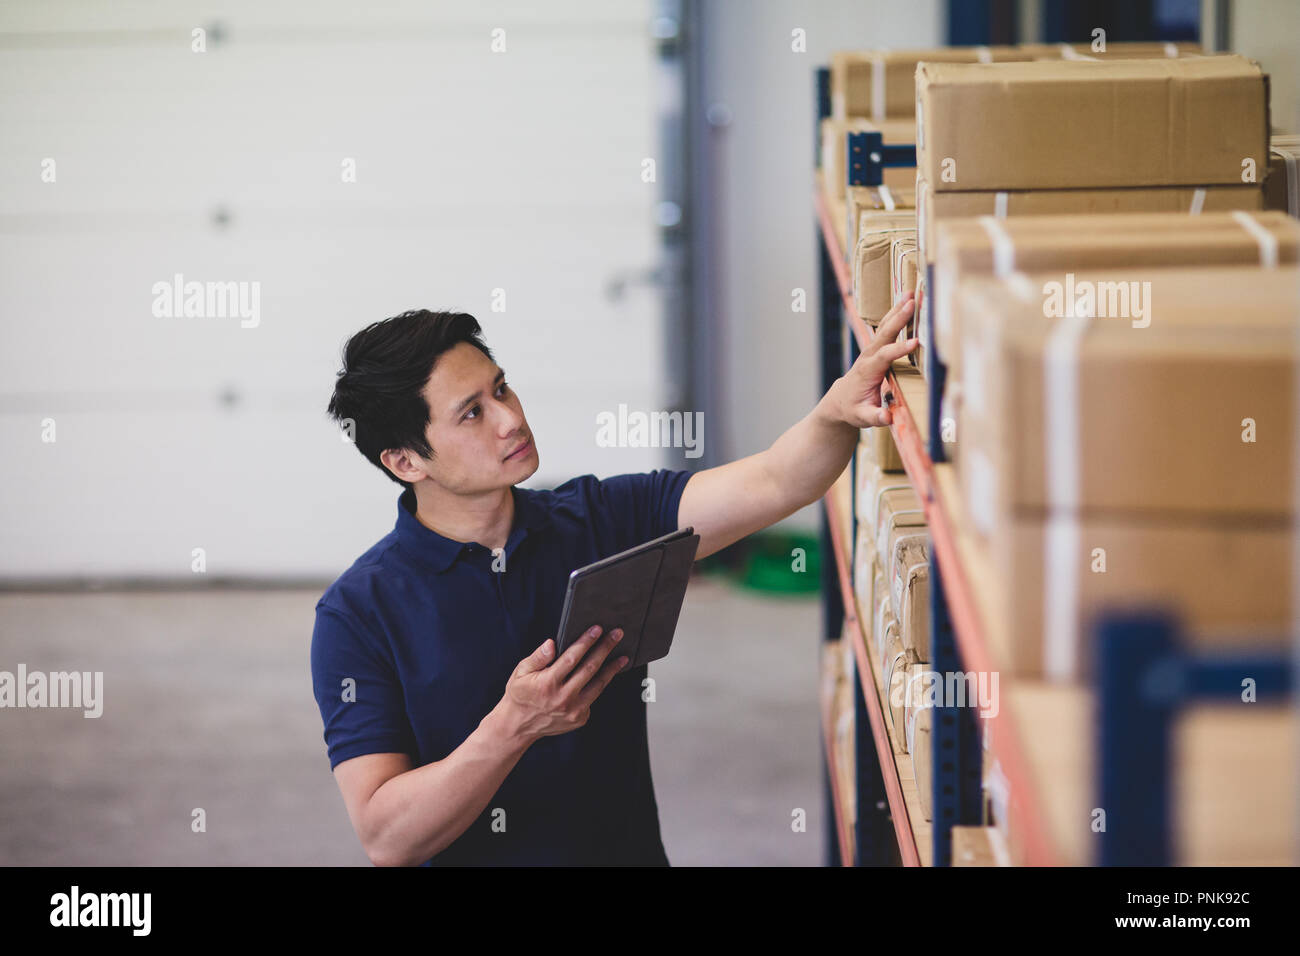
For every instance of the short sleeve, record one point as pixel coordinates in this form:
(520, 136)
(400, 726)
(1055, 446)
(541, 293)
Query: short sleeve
(360, 698)
(643, 506)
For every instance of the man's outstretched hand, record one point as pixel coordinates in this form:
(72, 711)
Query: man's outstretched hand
(855, 396)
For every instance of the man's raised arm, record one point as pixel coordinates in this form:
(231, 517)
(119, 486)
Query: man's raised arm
(726, 503)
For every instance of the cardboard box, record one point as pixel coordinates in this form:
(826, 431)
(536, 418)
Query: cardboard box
(1282, 185)
(834, 153)
(903, 273)
(876, 449)
(905, 277)
(934, 207)
(864, 571)
(979, 846)
(893, 667)
(1228, 582)
(884, 626)
(908, 574)
(860, 199)
(988, 246)
(874, 483)
(1196, 405)
(871, 269)
(880, 83)
(842, 514)
(895, 508)
(919, 744)
(1078, 124)
(921, 322)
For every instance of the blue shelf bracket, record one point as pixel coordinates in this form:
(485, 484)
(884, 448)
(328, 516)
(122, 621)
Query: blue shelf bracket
(823, 111)
(1144, 679)
(867, 156)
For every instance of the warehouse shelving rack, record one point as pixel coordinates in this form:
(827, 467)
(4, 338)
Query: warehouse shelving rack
(956, 631)
(1145, 676)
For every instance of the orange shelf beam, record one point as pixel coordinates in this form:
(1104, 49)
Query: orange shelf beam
(837, 805)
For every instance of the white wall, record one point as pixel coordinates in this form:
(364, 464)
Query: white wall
(475, 171)
(765, 157)
(1269, 31)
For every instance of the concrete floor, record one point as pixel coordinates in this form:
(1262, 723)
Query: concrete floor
(208, 703)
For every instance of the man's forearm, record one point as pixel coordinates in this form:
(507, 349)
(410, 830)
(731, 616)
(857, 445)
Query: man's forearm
(807, 458)
(725, 503)
(418, 814)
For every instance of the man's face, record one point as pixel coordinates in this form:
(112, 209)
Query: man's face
(480, 438)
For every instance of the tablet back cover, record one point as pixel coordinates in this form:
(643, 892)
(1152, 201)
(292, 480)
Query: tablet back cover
(670, 590)
(616, 596)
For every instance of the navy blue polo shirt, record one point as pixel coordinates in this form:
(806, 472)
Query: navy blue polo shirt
(430, 634)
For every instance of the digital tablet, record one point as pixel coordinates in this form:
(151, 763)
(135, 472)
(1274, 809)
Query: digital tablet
(639, 590)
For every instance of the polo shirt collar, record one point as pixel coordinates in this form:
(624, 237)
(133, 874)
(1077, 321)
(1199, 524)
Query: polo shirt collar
(441, 552)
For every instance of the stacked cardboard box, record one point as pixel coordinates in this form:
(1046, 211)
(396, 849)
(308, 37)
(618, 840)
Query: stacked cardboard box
(1141, 457)
(876, 200)
(981, 247)
(937, 207)
(875, 261)
(1097, 125)
(986, 246)
(905, 278)
(1008, 139)
(970, 247)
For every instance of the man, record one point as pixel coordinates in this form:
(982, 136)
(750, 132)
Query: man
(454, 733)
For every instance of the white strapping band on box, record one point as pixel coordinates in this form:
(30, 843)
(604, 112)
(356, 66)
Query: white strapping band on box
(880, 494)
(911, 724)
(878, 87)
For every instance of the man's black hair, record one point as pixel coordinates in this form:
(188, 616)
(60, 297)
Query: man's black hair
(385, 368)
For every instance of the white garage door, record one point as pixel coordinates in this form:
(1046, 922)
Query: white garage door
(475, 170)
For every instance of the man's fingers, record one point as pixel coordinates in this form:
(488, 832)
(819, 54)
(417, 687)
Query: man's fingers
(888, 354)
(569, 659)
(894, 320)
(593, 660)
(598, 683)
(538, 659)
